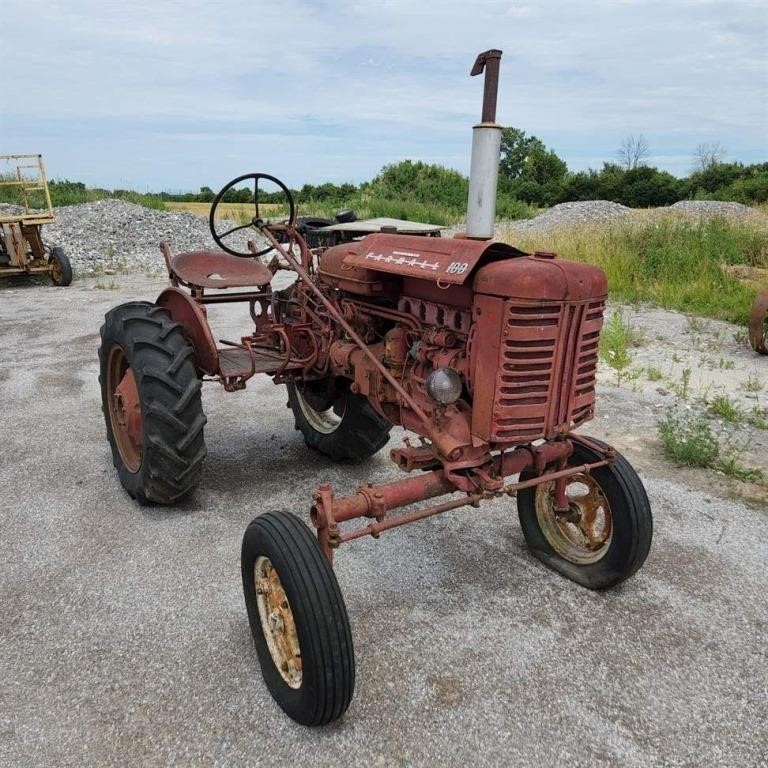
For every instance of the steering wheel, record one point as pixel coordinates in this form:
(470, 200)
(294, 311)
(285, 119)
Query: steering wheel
(256, 222)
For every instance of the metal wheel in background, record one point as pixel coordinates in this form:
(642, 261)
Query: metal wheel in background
(61, 269)
(758, 324)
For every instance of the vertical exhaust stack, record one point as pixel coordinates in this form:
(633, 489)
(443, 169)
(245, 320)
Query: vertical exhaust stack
(486, 151)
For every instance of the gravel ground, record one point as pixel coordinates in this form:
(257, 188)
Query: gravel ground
(124, 640)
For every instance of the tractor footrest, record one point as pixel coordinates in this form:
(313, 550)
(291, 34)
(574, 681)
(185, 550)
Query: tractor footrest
(236, 363)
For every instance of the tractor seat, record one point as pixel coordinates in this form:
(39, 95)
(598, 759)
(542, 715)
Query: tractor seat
(216, 269)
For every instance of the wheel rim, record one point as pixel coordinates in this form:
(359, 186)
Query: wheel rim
(584, 532)
(325, 421)
(277, 622)
(55, 271)
(125, 410)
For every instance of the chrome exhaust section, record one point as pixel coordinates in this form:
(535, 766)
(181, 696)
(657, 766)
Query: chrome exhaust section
(486, 151)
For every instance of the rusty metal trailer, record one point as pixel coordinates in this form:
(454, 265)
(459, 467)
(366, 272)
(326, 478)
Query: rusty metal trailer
(22, 249)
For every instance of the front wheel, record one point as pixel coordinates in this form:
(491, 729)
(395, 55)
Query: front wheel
(604, 536)
(336, 422)
(298, 619)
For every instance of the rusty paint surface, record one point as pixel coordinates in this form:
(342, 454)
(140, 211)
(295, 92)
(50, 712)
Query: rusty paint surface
(191, 315)
(758, 324)
(216, 269)
(447, 261)
(125, 409)
(581, 532)
(277, 622)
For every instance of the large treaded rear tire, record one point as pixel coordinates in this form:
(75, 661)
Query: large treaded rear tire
(168, 386)
(360, 433)
(631, 523)
(318, 614)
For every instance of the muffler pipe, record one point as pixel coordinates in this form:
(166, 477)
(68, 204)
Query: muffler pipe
(486, 151)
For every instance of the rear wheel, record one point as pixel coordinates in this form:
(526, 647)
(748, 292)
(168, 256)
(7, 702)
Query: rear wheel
(336, 422)
(298, 619)
(61, 269)
(151, 401)
(604, 536)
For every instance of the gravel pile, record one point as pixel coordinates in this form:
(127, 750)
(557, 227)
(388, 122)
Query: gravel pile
(708, 208)
(589, 212)
(572, 215)
(115, 235)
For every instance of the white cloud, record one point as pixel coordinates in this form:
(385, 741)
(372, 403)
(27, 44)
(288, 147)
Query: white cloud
(188, 82)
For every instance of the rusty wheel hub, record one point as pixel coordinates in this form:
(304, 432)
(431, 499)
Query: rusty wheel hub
(583, 532)
(125, 410)
(55, 271)
(277, 622)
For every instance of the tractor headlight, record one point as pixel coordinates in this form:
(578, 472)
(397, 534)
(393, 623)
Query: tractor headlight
(444, 386)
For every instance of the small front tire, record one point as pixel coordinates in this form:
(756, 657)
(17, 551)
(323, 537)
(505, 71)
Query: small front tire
(298, 619)
(605, 536)
(61, 269)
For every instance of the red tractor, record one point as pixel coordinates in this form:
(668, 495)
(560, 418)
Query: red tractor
(487, 353)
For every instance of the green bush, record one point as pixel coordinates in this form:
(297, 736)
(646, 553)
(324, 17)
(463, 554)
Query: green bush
(688, 440)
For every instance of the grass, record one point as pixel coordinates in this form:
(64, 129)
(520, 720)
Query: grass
(653, 373)
(724, 408)
(688, 440)
(615, 341)
(674, 263)
(233, 211)
(74, 193)
(682, 388)
(752, 384)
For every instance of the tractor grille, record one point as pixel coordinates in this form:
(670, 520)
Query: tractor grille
(547, 364)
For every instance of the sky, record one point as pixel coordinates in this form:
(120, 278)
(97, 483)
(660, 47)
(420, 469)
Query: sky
(168, 95)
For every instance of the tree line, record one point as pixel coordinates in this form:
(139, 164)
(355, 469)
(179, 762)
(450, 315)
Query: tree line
(532, 173)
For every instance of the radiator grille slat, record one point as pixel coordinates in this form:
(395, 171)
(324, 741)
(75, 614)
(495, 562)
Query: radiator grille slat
(547, 369)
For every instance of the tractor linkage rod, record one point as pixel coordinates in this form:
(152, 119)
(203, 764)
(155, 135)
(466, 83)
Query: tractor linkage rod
(472, 500)
(375, 501)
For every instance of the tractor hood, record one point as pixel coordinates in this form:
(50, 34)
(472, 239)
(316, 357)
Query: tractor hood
(449, 261)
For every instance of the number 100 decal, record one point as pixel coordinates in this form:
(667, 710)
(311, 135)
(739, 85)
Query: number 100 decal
(457, 268)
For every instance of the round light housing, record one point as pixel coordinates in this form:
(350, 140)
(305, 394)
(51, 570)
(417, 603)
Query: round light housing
(444, 386)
